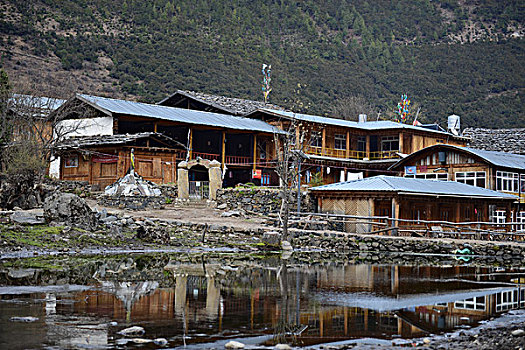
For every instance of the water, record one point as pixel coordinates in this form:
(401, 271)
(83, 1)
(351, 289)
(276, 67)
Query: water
(206, 300)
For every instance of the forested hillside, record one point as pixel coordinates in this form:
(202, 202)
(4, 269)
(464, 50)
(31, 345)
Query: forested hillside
(465, 57)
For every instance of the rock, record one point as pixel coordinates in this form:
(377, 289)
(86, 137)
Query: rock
(109, 219)
(103, 214)
(228, 214)
(135, 330)
(272, 240)
(234, 345)
(222, 206)
(426, 340)
(160, 341)
(285, 245)
(141, 340)
(153, 234)
(26, 218)
(69, 209)
(23, 319)
(113, 323)
(21, 273)
(518, 333)
(282, 347)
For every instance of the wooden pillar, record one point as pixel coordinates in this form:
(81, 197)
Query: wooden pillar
(173, 168)
(395, 214)
(458, 217)
(155, 127)
(121, 164)
(223, 151)
(190, 141)
(254, 151)
(400, 148)
(367, 148)
(323, 144)
(348, 144)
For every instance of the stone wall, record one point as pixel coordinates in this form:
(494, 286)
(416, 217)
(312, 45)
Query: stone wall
(133, 202)
(80, 188)
(372, 246)
(260, 200)
(169, 191)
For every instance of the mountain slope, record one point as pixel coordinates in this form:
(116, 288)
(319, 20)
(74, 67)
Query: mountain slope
(464, 57)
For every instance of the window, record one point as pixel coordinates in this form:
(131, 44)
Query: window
(520, 218)
(361, 143)
(509, 182)
(477, 303)
(340, 141)
(390, 143)
(510, 299)
(71, 162)
(474, 178)
(316, 139)
(430, 176)
(499, 216)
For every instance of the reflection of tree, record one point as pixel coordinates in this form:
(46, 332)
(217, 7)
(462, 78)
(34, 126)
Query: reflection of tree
(287, 325)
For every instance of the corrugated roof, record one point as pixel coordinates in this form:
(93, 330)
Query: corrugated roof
(502, 159)
(188, 116)
(383, 183)
(369, 125)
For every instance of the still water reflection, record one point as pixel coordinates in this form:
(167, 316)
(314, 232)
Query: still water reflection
(206, 302)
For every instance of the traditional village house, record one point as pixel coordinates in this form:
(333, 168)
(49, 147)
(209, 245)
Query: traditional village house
(411, 199)
(338, 149)
(240, 145)
(499, 171)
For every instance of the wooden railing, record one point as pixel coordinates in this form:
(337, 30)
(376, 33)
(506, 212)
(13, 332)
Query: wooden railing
(350, 154)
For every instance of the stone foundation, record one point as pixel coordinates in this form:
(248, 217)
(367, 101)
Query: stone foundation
(260, 200)
(133, 202)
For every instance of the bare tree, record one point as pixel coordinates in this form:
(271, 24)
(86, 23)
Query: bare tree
(289, 152)
(350, 107)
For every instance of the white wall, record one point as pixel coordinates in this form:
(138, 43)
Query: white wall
(79, 127)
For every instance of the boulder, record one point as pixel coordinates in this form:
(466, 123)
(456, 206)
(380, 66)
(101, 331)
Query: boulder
(234, 345)
(153, 234)
(70, 209)
(26, 218)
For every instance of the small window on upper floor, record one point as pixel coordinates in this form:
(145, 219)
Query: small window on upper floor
(316, 139)
(340, 141)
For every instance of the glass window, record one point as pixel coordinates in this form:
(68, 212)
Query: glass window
(390, 143)
(361, 143)
(477, 303)
(316, 139)
(507, 181)
(340, 141)
(430, 176)
(474, 178)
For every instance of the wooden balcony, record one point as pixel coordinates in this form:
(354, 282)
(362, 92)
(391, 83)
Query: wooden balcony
(350, 154)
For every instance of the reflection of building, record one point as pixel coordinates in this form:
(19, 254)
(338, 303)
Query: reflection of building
(209, 302)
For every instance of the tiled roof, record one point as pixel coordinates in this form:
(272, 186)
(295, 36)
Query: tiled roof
(235, 106)
(383, 183)
(119, 139)
(505, 140)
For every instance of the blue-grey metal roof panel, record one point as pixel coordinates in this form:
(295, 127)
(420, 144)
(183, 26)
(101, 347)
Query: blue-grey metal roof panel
(369, 125)
(413, 186)
(502, 159)
(178, 114)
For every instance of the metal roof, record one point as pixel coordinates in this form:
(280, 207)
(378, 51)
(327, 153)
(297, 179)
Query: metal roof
(369, 125)
(502, 159)
(383, 183)
(188, 116)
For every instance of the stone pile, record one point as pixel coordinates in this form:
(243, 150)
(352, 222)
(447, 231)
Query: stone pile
(501, 140)
(259, 200)
(132, 185)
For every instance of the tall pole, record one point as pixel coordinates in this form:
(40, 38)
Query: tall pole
(299, 186)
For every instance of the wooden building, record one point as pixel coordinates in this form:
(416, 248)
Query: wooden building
(336, 147)
(102, 160)
(498, 171)
(243, 146)
(413, 199)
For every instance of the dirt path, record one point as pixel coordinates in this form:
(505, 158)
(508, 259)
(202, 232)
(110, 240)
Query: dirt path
(193, 214)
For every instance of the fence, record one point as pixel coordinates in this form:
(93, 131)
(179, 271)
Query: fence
(511, 231)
